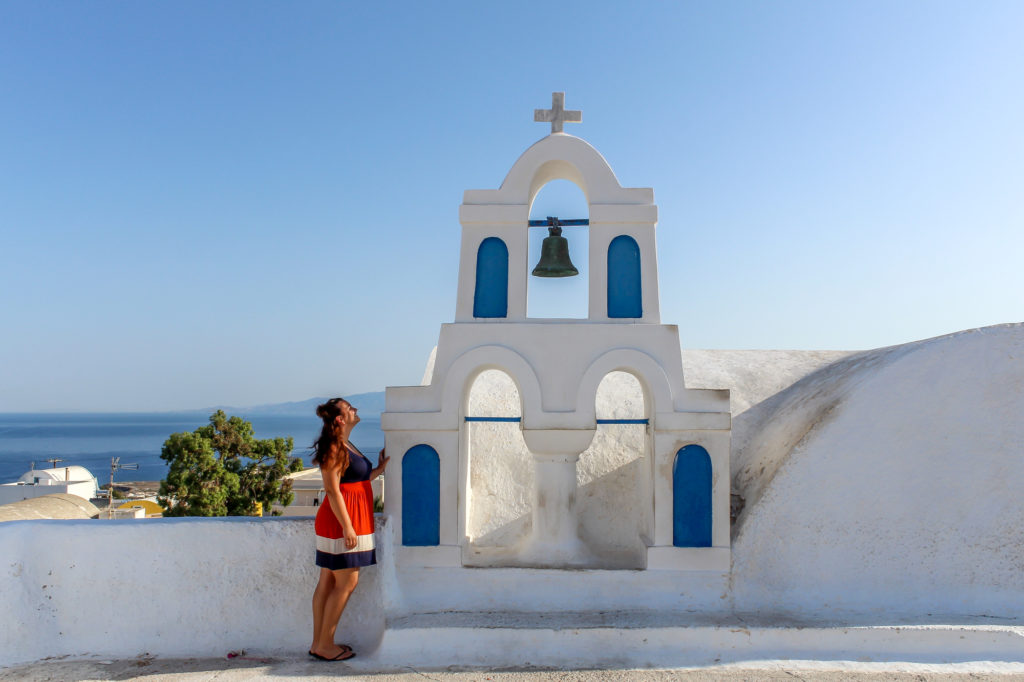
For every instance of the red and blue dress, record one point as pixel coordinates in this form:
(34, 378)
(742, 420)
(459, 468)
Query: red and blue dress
(331, 552)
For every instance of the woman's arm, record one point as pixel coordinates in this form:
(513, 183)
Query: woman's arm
(331, 475)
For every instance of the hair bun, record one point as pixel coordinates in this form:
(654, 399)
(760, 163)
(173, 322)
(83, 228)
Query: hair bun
(321, 411)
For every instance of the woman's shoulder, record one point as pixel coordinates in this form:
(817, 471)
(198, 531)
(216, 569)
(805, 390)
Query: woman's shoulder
(332, 462)
(331, 466)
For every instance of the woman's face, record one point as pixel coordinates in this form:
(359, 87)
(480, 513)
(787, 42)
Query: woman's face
(349, 415)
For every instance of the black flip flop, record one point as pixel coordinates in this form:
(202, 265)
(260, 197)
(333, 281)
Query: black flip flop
(340, 657)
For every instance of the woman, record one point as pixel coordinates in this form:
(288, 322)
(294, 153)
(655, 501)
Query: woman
(344, 526)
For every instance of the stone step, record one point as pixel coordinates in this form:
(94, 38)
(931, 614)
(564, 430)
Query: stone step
(637, 639)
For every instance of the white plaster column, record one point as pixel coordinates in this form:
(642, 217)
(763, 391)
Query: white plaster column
(554, 500)
(554, 538)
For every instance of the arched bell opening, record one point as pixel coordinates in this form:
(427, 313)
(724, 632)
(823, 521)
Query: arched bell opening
(614, 496)
(500, 469)
(691, 497)
(559, 297)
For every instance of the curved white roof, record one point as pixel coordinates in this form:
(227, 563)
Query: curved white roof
(71, 473)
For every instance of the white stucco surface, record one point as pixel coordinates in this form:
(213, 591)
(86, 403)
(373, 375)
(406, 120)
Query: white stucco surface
(902, 492)
(875, 482)
(752, 376)
(759, 383)
(887, 525)
(169, 587)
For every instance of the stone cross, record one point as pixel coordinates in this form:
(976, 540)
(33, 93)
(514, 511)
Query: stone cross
(557, 114)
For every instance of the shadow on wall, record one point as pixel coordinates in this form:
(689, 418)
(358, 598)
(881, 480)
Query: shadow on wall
(501, 485)
(919, 514)
(613, 499)
(614, 503)
(765, 433)
(613, 509)
(500, 465)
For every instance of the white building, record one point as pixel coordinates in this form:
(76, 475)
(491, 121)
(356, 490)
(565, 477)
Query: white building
(308, 488)
(74, 480)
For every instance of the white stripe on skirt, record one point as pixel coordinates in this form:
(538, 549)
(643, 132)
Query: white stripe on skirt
(337, 546)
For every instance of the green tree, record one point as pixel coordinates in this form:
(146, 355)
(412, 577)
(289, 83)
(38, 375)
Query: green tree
(222, 470)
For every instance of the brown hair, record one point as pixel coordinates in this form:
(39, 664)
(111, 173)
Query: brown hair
(329, 445)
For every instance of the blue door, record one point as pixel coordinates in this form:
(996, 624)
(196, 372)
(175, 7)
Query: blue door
(421, 496)
(691, 498)
(491, 296)
(624, 295)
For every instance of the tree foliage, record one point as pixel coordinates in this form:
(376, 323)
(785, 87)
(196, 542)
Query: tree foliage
(221, 470)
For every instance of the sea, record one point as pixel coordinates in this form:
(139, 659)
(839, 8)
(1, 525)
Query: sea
(92, 440)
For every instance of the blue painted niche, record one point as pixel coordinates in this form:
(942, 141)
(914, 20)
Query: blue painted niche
(491, 296)
(421, 497)
(624, 293)
(691, 498)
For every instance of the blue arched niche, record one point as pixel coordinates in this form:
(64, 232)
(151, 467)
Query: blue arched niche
(624, 294)
(691, 498)
(491, 296)
(421, 496)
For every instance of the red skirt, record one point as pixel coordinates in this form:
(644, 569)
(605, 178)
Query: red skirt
(331, 552)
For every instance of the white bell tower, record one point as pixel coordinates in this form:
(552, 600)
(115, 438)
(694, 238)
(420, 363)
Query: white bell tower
(557, 365)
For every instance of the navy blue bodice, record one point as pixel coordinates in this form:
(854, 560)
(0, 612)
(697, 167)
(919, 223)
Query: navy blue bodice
(359, 467)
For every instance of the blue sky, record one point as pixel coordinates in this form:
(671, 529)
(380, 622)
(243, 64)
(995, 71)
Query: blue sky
(250, 202)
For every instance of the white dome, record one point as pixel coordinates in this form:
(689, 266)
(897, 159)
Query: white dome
(70, 474)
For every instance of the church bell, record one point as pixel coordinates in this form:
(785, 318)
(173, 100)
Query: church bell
(554, 256)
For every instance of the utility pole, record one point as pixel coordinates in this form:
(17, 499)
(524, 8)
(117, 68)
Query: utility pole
(115, 464)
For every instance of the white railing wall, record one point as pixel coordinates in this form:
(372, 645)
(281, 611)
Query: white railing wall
(168, 587)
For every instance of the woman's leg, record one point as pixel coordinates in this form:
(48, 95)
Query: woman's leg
(323, 588)
(345, 581)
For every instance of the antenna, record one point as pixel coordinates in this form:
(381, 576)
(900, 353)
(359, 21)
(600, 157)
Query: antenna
(53, 462)
(115, 465)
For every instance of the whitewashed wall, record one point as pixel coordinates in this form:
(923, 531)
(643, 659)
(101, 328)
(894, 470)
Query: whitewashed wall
(167, 587)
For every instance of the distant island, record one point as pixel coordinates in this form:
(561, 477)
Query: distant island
(369, 404)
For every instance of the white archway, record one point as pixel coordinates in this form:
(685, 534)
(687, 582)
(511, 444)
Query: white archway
(500, 469)
(648, 371)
